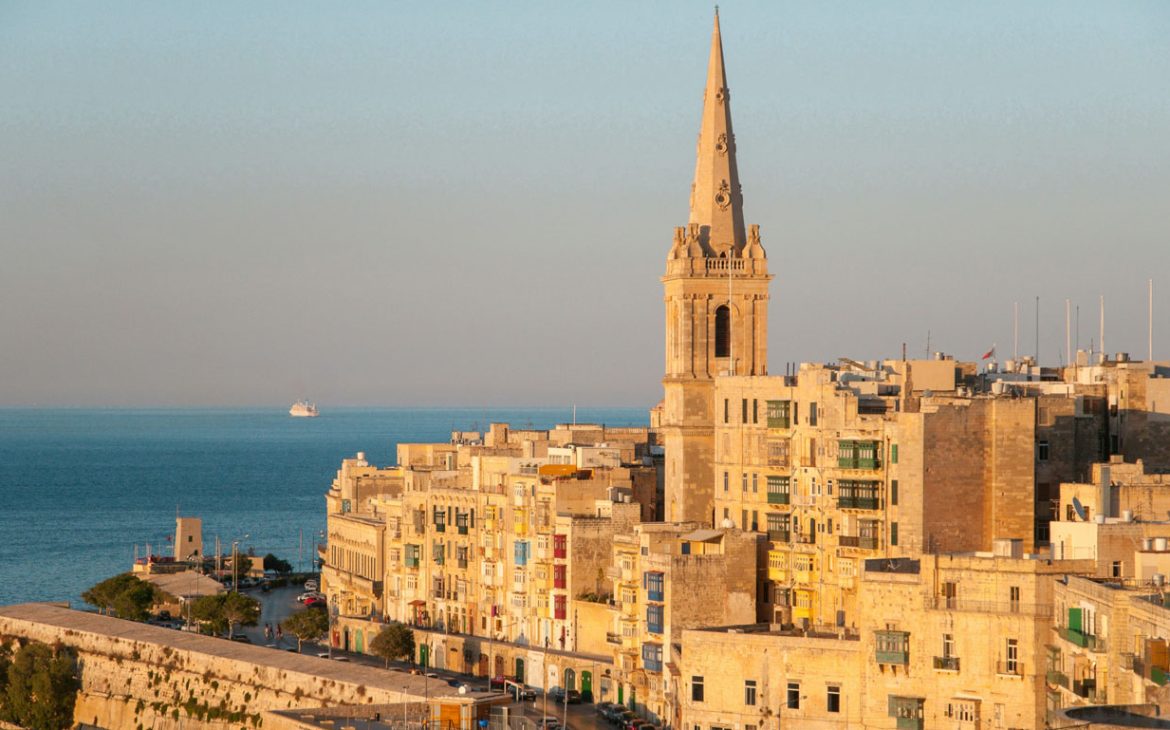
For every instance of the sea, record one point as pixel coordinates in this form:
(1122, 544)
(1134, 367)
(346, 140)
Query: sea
(82, 491)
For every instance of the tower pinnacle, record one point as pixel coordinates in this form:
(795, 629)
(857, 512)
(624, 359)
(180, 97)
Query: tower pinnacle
(716, 199)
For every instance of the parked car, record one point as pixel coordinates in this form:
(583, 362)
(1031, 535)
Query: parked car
(548, 723)
(602, 707)
(557, 694)
(311, 585)
(314, 601)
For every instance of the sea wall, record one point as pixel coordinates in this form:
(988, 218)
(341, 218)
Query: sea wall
(135, 676)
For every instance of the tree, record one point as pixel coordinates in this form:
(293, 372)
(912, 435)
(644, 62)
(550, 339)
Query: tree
(307, 625)
(103, 594)
(126, 596)
(42, 685)
(224, 611)
(271, 562)
(396, 641)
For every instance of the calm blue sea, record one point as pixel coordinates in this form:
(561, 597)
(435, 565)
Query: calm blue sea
(80, 488)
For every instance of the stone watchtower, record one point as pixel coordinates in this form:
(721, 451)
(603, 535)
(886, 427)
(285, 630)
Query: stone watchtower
(716, 305)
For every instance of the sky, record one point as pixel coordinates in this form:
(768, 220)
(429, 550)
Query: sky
(368, 204)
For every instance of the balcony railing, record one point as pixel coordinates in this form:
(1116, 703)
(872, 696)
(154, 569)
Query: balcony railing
(1060, 679)
(1093, 643)
(859, 503)
(805, 538)
(955, 603)
(1011, 669)
(779, 498)
(778, 535)
(1088, 689)
(949, 663)
(613, 638)
(864, 542)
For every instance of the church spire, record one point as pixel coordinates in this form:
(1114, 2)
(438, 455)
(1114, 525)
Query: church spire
(716, 200)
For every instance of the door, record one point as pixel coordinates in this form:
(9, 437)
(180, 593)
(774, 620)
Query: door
(520, 670)
(424, 655)
(587, 686)
(359, 642)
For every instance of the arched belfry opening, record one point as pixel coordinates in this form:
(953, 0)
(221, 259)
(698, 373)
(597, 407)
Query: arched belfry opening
(722, 331)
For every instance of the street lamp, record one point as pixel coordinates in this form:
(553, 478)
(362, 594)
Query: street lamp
(236, 563)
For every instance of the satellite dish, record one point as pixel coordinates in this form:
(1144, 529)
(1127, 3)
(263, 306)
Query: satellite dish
(1079, 508)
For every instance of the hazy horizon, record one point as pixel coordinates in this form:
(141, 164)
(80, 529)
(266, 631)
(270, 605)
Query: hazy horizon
(406, 205)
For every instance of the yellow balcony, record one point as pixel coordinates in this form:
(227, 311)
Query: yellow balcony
(777, 574)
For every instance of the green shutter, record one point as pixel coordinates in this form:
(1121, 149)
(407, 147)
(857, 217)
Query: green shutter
(1074, 619)
(893, 453)
(893, 533)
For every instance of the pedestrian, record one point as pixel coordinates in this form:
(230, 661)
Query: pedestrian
(279, 633)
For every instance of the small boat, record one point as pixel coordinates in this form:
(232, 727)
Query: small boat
(303, 409)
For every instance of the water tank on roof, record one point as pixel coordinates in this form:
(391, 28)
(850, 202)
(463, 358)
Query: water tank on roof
(1099, 519)
(1147, 544)
(1127, 515)
(1160, 544)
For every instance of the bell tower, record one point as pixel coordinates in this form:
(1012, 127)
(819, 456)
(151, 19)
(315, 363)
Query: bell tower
(716, 293)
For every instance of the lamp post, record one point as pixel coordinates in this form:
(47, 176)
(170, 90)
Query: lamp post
(404, 707)
(236, 563)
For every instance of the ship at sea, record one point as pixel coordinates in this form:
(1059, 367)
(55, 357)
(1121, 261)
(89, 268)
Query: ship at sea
(303, 409)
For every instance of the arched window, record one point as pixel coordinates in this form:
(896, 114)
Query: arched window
(722, 331)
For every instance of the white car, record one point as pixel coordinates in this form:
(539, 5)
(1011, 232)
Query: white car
(311, 585)
(311, 594)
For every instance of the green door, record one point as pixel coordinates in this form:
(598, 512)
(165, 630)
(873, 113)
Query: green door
(359, 643)
(423, 655)
(587, 686)
(621, 695)
(520, 670)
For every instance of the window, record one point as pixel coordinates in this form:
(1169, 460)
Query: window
(749, 692)
(1116, 569)
(893, 453)
(755, 410)
(948, 645)
(755, 483)
(778, 413)
(652, 657)
(755, 521)
(722, 331)
(522, 552)
(812, 414)
(654, 619)
(1042, 451)
(560, 546)
(726, 412)
(794, 695)
(1014, 598)
(696, 689)
(894, 492)
(833, 699)
(1012, 665)
(726, 483)
(560, 607)
(893, 533)
(950, 592)
(743, 521)
(653, 582)
(560, 576)
(743, 418)
(743, 482)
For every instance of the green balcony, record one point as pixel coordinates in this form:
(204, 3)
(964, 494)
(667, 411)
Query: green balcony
(779, 498)
(1060, 679)
(1158, 676)
(893, 647)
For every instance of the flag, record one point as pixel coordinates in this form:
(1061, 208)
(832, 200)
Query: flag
(989, 354)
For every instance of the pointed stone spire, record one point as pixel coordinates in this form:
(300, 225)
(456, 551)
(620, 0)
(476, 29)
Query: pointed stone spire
(716, 199)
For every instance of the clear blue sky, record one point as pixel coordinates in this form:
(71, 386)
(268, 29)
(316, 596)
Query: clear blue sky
(381, 203)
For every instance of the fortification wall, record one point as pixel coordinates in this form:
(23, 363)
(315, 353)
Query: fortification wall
(135, 677)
